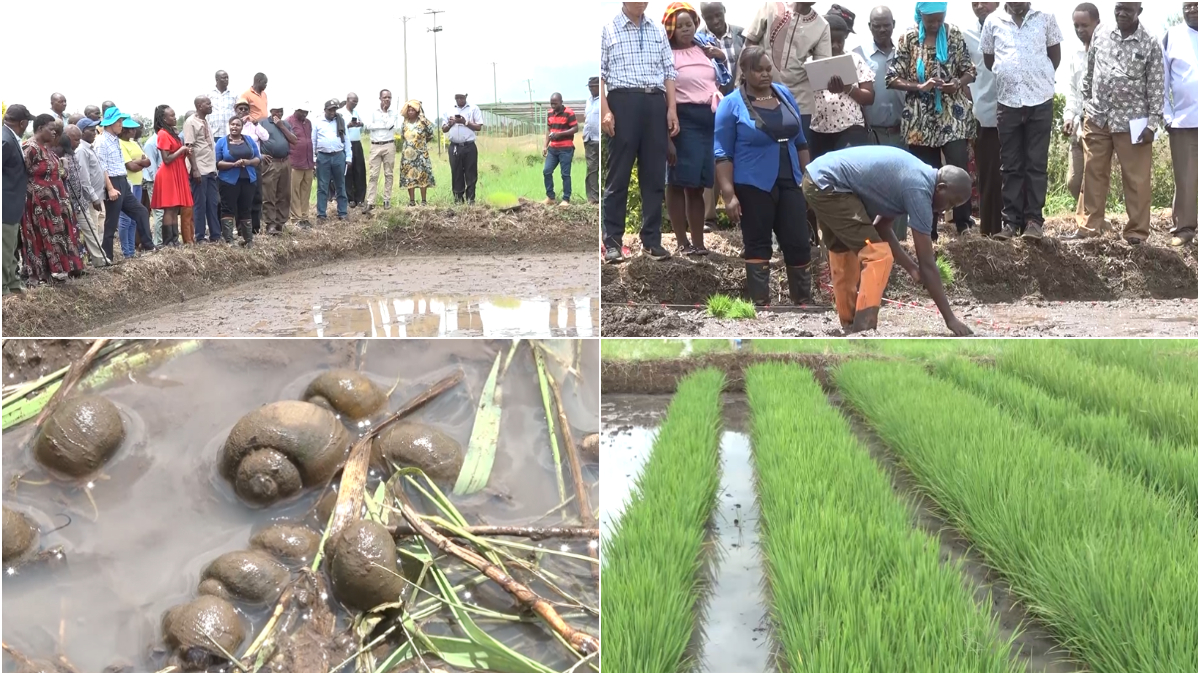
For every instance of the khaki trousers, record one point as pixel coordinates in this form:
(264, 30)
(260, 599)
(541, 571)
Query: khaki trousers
(1099, 145)
(383, 155)
(1075, 171)
(1183, 160)
(301, 193)
(276, 193)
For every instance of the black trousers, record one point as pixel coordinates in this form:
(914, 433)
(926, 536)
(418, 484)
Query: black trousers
(987, 166)
(1024, 151)
(957, 154)
(256, 205)
(356, 176)
(821, 143)
(130, 206)
(464, 170)
(641, 136)
(783, 211)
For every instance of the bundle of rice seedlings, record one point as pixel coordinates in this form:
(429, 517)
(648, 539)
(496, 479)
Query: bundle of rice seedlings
(724, 307)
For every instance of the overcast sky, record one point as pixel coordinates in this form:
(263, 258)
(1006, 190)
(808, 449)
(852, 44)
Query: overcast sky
(1154, 17)
(337, 47)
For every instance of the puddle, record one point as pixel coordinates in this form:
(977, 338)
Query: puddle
(164, 513)
(451, 317)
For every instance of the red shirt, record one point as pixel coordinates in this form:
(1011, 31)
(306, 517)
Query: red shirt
(301, 154)
(561, 121)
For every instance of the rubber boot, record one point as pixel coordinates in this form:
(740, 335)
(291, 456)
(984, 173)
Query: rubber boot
(246, 230)
(799, 284)
(758, 283)
(844, 269)
(876, 260)
(227, 230)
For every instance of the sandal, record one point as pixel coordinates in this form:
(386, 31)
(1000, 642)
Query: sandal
(698, 251)
(686, 250)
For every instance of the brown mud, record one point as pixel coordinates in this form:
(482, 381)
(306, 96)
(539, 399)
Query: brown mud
(184, 274)
(28, 360)
(661, 376)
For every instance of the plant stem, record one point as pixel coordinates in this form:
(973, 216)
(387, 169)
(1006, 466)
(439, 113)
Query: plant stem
(78, 368)
(534, 533)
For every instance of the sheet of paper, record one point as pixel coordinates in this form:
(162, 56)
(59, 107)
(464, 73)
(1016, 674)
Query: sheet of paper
(1136, 127)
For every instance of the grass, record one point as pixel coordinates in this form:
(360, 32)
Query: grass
(854, 587)
(1110, 438)
(1108, 566)
(724, 307)
(654, 349)
(919, 349)
(1171, 361)
(1163, 410)
(652, 563)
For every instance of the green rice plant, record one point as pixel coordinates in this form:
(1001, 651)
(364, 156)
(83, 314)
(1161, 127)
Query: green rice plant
(817, 346)
(724, 307)
(639, 349)
(854, 587)
(945, 270)
(1162, 409)
(1108, 566)
(1110, 438)
(1160, 360)
(651, 565)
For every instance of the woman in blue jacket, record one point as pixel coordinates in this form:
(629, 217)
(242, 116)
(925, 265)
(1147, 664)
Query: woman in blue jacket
(761, 153)
(237, 162)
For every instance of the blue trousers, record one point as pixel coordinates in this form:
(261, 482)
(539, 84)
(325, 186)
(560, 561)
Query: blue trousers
(331, 167)
(558, 157)
(127, 229)
(205, 211)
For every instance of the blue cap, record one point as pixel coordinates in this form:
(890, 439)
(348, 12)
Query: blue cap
(130, 123)
(112, 116)
(86, 123)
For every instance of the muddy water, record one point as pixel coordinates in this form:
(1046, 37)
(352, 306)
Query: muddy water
(164, 513)
(440, 296)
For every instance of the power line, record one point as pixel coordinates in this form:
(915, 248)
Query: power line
(406, 19)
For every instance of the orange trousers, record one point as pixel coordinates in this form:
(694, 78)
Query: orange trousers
(859, 278)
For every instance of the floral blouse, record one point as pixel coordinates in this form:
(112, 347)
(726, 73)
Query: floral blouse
(920, 122)
(836, 111)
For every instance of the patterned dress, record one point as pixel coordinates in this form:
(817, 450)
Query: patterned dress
(416, 171)
(49, 240)
(920, 122)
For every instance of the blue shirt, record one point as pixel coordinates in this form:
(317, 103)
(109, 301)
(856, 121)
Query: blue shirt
(223, 155)
(591, 120)
(755, 154)
(352, 133)
(889, 103)
(150, 147)
(890, 182)
(108, 149)
(635, 56)
(325, 137)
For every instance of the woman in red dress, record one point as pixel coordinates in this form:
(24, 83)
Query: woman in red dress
(49, 245)
(172, 191)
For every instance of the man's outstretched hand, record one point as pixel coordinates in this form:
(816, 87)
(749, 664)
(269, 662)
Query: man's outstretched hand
(959, 328)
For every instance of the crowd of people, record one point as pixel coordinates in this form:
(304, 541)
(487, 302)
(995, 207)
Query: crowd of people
(705, 108)
(233, 166)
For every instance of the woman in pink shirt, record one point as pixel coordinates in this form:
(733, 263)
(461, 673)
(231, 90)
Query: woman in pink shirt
(690, 167)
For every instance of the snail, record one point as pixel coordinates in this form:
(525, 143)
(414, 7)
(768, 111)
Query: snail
(20, 535)
(590, 445)
(80, 436)
(203, 631)
(363, 568)
(347, 392)
(250, 576)
(287, 542)
(275, 451)
(419, 445)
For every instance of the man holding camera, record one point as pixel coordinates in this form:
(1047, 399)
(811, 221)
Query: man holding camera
(460, 126)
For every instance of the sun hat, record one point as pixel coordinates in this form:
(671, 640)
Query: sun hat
(130, 123)
(112, 116)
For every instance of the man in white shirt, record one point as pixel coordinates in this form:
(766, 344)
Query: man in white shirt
(1085, 18)
(58, 108)
(381, 128)
(1179, 63)
(591, 140)
(1022, 47)
(460, 126)
(223, 101)
(987, 141)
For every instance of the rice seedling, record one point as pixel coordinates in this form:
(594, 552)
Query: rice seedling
(1160, 360)
(724, 307)
(854, 587)
(1108, 566)
(651, 565)
(945, 270)
(1110, 438)
(1162, 409)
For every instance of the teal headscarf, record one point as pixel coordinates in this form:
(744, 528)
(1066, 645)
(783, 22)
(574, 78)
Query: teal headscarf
(943, 49)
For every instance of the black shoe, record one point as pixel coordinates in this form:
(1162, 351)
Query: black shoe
(1033, 231)
(758, 283)
(1006, 232)
(1134, 241)
(321, 219)
(368, 208)
(799, 285)
(656, 252)
(613, 256)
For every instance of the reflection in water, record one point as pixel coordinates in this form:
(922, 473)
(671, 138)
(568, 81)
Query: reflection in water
(498, 317)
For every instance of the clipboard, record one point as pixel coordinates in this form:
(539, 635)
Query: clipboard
(820, 70)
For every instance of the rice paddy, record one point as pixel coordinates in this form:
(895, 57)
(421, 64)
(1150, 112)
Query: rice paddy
(1066, 470)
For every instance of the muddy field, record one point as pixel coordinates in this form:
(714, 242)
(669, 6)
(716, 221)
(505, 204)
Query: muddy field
(1100, 287)
(162, 511)
(476, 235)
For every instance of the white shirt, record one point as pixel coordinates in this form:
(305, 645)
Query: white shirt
(1073, 108)
(1023, 70)
(382, 125)
(983, 89)
(1179, 66)
(591, 120)
(459, 133)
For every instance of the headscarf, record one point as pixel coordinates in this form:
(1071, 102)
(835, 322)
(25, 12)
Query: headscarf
(943, 47)
(668, 20)
(415, 105)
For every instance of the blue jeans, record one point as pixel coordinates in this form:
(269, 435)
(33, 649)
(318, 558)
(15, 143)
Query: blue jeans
(127, 229)
(560, 157)
(205, 211)
(331, 167)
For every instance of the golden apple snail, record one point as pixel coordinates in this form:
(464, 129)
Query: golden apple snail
(80, 436)
(250, 576)
(203, 631)
(419, 445)
(287, 542)
(347, 392)
(20, 535)
(363, 567)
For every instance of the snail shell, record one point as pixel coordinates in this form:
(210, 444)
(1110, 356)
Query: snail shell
(205, 627)
(347, 392)
(287, 542)
(20, 535)
(590, 445)
(81, 435)
(250, 576)
(419, 445)
(363, 567)
(275, 451)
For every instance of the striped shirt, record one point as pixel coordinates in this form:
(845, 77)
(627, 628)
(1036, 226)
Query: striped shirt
(222, 111)
(635, 56)
(108, 149)
(561, 121)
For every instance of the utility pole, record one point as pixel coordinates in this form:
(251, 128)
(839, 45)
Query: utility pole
(532, 111)
(406, 19)
(437, 92)
(495, 96)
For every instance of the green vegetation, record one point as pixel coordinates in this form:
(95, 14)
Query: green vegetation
(855, 588)
(650, 349)
(1108, 566)
(1164, 410)
(945, 270)
(1110, 438)
(724, 307)
(919, 349)
(1160, 360)
(652, 563)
